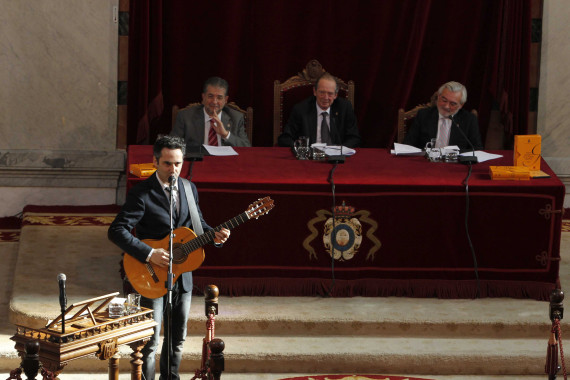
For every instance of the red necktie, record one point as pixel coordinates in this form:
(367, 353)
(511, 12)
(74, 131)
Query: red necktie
(212, 135)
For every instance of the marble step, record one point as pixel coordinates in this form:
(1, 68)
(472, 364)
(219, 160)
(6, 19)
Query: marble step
(379, 317)
(358, 354)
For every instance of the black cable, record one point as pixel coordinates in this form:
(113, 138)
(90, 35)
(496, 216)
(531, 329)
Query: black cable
(189, 177)
(333, 233)
(466, 182)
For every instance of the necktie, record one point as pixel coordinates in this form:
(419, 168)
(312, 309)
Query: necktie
(174, 203)
(443, 135)
(212, 135)
(325, 135)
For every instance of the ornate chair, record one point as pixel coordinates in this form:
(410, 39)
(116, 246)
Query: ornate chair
(305, 79)
(247, 116)
(405, 117)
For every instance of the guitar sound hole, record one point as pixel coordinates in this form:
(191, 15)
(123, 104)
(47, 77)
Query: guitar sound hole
(179, 256)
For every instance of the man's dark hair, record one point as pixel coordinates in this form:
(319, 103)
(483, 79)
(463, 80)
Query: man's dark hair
(216, 82)
(170, 142)
(329, 77)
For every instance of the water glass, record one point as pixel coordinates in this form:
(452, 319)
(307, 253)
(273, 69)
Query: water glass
(117, 308)
(318, 151)
(133, 303)
(301, 147)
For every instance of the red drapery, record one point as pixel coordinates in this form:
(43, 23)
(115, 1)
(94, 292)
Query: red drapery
(398, 52)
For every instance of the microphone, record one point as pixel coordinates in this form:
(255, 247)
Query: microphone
(465, 159)
(336, 159)
(62, 299)
(171, 180)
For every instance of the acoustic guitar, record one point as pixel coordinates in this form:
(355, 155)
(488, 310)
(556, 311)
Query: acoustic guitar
(187, 252)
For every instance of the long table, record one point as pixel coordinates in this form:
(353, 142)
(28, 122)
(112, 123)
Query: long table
(401, 232)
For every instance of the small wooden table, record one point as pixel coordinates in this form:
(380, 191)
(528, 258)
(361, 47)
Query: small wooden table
(89, 331)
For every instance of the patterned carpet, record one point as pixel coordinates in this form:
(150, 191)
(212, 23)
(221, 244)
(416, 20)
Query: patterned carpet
(353, 377)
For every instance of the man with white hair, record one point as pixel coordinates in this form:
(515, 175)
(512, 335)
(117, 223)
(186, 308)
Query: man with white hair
(443, 120)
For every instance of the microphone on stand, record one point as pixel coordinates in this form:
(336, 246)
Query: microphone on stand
(336, 159)
(465, 159)
(62, 299)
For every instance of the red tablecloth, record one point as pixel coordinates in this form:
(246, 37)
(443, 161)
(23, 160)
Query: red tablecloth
(409, 213)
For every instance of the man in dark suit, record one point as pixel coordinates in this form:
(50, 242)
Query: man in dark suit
(324, 118)
(147, 208)
(211, 123)
(435, 122)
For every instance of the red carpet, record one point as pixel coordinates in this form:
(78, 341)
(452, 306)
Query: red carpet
(353, 377)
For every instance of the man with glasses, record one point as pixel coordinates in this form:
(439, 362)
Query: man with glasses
(443, 120)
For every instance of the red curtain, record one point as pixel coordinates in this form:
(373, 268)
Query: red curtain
(398, 52)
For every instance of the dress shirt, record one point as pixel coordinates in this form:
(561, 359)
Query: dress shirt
(320, 120)
(166, 188)
(440, 127)
(207, 128)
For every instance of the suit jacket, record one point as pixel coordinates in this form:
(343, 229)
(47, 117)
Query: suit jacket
(190, 126)
(147, 208)
(303, 122)
(424, 128)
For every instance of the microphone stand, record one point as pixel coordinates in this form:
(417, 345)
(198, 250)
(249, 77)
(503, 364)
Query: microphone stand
(465, 159)
(193, 157)
(335, 160)
(169, 282)
(469, 160)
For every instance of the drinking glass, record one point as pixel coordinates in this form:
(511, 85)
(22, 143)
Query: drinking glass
(133, 303)
(301, 147)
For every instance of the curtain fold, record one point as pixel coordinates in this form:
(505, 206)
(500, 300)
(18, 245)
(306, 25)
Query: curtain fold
(145, 99)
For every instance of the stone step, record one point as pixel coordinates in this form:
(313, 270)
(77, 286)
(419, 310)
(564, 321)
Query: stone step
(379, 317)
(359, 354)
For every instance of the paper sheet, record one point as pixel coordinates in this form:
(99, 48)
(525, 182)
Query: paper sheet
(482, 156)
(335, 150)
(220, 150)
(406, 150)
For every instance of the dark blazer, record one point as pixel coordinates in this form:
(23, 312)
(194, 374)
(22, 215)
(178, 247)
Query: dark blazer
(147, 209)
(303, 122)
(424, 128)
(190, 126)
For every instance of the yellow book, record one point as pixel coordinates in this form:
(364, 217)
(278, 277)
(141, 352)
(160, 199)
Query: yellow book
(517, 173)
(527, 151)
(142, 170)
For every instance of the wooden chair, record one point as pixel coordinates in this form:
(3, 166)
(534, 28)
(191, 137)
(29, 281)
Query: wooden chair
(307, 79)
(405, 117)
(247, 116)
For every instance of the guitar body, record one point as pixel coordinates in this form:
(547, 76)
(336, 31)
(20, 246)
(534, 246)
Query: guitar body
(150, 280)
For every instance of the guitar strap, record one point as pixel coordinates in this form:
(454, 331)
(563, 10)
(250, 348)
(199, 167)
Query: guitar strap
(196, 223)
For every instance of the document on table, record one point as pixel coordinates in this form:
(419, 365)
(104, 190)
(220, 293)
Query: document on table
(220, 150)
(482, 156)
(406, 150)
(334, 150)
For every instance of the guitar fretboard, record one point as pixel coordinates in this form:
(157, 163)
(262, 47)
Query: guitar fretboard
(208, 236)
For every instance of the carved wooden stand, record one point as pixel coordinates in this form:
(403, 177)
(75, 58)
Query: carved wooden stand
(212, 364)
(88, 331)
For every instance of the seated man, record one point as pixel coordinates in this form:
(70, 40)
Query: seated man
(324, 118)
(211, 123)
(435, 122)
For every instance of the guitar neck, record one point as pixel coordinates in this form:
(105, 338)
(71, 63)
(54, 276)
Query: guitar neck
(208, 236)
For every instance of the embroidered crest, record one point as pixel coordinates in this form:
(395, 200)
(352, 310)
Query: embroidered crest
(343, 234)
